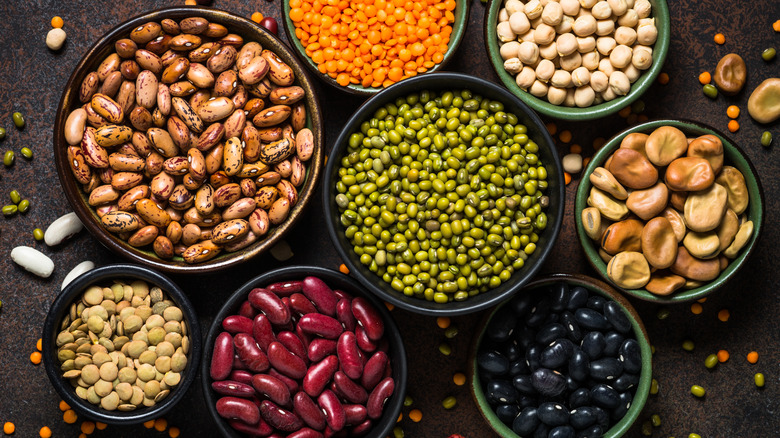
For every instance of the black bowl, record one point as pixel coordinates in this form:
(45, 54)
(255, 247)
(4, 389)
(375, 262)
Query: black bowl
(60, 308)
(547, 153)
(335, 280)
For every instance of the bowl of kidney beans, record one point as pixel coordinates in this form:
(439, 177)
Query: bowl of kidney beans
(304, 352)
(566, 357)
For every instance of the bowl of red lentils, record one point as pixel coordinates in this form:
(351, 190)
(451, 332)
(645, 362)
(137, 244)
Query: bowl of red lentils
(364, 47)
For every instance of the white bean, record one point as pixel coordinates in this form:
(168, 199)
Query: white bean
(55, 38)
(33, 261)
(572, 163)
(62, 228)
(76, 272)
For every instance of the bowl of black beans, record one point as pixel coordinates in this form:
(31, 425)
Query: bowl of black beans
(566, 356)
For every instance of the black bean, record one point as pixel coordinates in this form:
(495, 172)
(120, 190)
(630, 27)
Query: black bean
(538, 313)
(571, 384)
(557, 354)
(577, 298)
(582, 417)
(593, 345)
(602, 418)
(521, 304)
(617, 317)
(573, 331)
(562, 432)
(604, 396)
(579, 365)
(525, 401)
(580, 397)
(591, 319)
(548, 382)
(526, 422)
(501, 325)
(493, 362)
(499, 391)
(507, 413)
(524, 384)
(560, 296)
(519, 367)
(549, 333)
(525, 339)
(613, 340)
(622, 407)
(625, 381)
(605, 369)
(631, 356)
(532, 356)
(542, 431)
(512, 351)
(553, 414)
(552, 317)
(596, 303)
(594, 431)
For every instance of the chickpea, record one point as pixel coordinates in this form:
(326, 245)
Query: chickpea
(513, 6)
(629, 4)
(605, 45)
(588, 4)
(504, 32)
(646, 32)
(544, 34)
(538, 89)
(584, 96)
(549, 51)
(591, 60)
(572, 61)
(503, 15)
(528, 36)
(643, 8)
(608, 94)
(620, 56)
(565, 25)
(513, 66)
(519, 23)
(556, 95)
(525, 78)
(599, 81)
(567, 44)
(642, 57)
(509, 50)
(605, 27)
(552, 13)
(545, 70)
(632, 72)
(585, 45)
(580, 76)
(533, 9)
(625, 35)
(629, 19)
(528, 52)
(570, 7)
(584, 25)
(619, 83)
(619, 7)
(606, 66)
(601, 10)
(569, 101)
(561, 79)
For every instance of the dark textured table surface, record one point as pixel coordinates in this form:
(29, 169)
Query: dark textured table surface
(31, 81)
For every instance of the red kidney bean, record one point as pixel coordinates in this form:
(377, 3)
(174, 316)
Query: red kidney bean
(320, 294)
(286, 362)
(351, 391)
(344, 314)
(363, 341)
(307, 409)
(250, 353)
(299, 303)
(222, 357)
(282, 419)
(263, 332)
(368, 317)
(291, 384)
(321, 347)
(378, 397)
(340, 294)
(362, 428)
(237, 324)
(236, 389)
(237, 363)
(234, 408)
(334, 411)
(319, 374)
(247, 310)
(329, 433)
(306, 338)
(271, 387)
(241, 376)
(349, 355)
(260, 429)
(292, 342)
(374, 370)
(306, 433)
(286, 288)
(355, 414)
(270, 304)
(320, 325)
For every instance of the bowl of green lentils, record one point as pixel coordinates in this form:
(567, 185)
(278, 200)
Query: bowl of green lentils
(443, 194)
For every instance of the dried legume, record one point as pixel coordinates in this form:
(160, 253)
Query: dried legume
(24, 205)
(654, 387)
(710, 91)
(398, 432)
(766, 139)
(687, 345)
(459, 379)
(752, 357)
(415, 415)
(723, 356)
(15, 196)
(719, 39)
(445, 349)
(451, 332)
(27, 153)
(8, 158)
(759, 380)
(10, 210)
(768, 54)
(443, 322)
(656, 420)
(723, 315)
(18, 119)
(2, 133)
(711, 361)
(449, 402)
(8, 428)
(697, 390)
(38, 234)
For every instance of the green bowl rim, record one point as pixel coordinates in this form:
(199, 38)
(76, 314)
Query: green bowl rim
(459, 26)
(733, 154)
(593, 285)
(660, 50)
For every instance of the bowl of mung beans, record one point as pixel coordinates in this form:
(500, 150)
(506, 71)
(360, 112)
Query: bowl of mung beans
(567, 355)
(669, 210)
(443, 194)
(188, 139)
(121, 344)
(363, 47)
(577, 60)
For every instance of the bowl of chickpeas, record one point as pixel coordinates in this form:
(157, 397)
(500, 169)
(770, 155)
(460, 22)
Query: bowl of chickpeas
(577, 60)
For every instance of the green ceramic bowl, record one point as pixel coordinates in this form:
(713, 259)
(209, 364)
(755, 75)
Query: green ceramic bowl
(660, 49)
(594, 286)
(733, 157)
(458, 30)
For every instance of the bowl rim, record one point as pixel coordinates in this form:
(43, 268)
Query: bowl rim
(737, 158)
(593, 285)
(647, 78)
(459, 30)
(400, 371)
(77, 199)
(436, 81)
(60, 306)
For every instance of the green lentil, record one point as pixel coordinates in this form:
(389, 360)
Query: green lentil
(24, 205)
(27, 153)
(663, 313)
(18, 120)
(38, 234)
(408, 401)
(698, 391)
(10, 210)
(449, 402)
(711, 361)
(8, 158)
(687, 345)
(710, 91)
(398, 432)
(766, 139)
(647, 428)
(656, 420)
(15, 196)
(759, 380)
(654, 387)
(768, 54)
(445, 349)
(2, 133)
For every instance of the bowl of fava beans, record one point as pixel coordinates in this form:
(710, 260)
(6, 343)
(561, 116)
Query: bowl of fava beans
(362, 48)
(188, 139)
(443, 194)
(669, 210)
(577, 60)
(565, 356)
(121, 344)
(304, 351)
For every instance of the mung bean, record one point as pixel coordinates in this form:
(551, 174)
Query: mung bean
(8, 158)
(10, 210)
(15, 196)
(656, 420)
(2, 133)
(711, 361)
(408, 400)
(663, 313)
(698, 391)
(445, 349)
(27, 153)
(647, 428)
(398, 432)
(451, 332)
(24, 205)
(710, 91)
(759, 380)
(38, 234)
(18, 120)
(768, 54)
(766, 139)
(654, 387)
(449, 402)
(687, 345)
